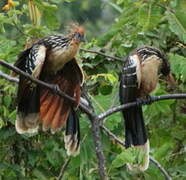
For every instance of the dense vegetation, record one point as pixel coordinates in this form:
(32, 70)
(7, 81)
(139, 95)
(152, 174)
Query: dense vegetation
(114, 27)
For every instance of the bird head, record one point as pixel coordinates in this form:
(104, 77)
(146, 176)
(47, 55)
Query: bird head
(77, 34)
(148, 51)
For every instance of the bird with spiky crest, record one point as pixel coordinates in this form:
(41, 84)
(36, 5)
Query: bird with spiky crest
(51, 59)
(139, 77)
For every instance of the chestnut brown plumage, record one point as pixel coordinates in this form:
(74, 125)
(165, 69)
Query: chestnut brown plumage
(51, 59)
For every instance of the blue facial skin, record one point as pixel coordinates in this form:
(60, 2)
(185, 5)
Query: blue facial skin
(79, 37)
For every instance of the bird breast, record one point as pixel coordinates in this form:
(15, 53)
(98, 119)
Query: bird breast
(149, 75)
(58, 57)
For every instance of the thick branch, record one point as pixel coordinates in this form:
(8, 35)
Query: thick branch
(117, 140)
(98, 147)
(103, 54)
(96, 138)
(51, 87)
(128, 105)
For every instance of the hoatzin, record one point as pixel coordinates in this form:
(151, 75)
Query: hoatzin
(51, 59)
(139, 77)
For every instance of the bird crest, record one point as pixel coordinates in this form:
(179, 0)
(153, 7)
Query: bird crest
(75, 28)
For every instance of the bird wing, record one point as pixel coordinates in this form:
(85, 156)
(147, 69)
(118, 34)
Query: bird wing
(54, 110)
(30, 61)
(129, 89)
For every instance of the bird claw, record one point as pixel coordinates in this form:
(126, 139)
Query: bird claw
(148, 100)
(144, 101)
(56, 89)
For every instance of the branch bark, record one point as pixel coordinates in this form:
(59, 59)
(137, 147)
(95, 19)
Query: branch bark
(161, 168)
(63, 168)
(103, 54)
(96, 138)
(9, 78)
(98, 147)
(143, 102)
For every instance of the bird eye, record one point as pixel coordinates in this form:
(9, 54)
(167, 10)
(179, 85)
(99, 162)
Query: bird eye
(77, 36)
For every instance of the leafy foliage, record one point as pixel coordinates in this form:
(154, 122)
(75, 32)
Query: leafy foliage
(161, 23)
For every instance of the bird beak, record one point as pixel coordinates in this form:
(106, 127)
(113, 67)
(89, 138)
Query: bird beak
(170, 79)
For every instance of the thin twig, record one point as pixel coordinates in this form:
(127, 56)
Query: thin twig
(117, 140)
(113, 136)
(102, 54)
(9, 78)
(167, 176)
(63, 168)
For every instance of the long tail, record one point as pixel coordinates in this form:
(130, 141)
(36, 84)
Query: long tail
(135, 133)
(28, 107)
(72, 134)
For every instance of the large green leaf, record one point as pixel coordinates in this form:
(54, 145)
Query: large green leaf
(177, 23)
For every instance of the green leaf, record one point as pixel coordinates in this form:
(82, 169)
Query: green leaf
(125, 157)
(106, 89)
(149, 16)
(40, 174)
(177, 23)
(7, 100)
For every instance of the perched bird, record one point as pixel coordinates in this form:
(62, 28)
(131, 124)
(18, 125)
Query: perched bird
(139, 77)
(51, 59)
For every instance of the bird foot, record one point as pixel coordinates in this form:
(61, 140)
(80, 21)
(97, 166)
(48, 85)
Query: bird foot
(56, 89)
(144, 101)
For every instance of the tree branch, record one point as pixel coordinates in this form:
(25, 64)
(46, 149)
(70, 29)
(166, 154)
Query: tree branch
(102, 54)
(164, 172)
(98, 147)
(55, 89)
(9, 78)
(63, 168)
(117, 140)
(143, 102)
(96, 138)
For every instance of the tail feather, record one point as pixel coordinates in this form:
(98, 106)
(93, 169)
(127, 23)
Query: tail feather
(135, 127)
(64, 115)
(48, 110)
(72, 135)
(145, 163)
(28, 107)
(57, 118)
